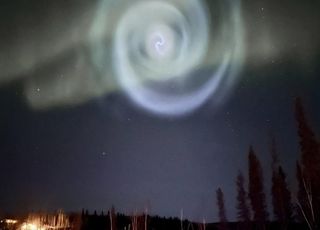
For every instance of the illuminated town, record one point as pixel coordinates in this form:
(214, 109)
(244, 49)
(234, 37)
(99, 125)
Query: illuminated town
(37, 221)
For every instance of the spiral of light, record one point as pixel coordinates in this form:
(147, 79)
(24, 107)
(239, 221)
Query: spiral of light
(169, 56)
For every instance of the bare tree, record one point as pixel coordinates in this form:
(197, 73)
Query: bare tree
(304, 200)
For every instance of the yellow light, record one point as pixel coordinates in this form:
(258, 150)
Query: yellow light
(30, 226)
(10, 221)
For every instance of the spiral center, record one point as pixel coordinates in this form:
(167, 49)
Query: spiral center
(161, 42)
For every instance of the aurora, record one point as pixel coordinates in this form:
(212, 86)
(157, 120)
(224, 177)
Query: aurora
(168, 57)
(159, 47)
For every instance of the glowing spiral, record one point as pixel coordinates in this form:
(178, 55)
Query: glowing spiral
(169, 56)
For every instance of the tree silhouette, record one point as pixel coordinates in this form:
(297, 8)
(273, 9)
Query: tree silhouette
(301, 198)
(281, 196)
(256, 190)
(243, 210)
(308, 172)
(305, 208)
(221, 210)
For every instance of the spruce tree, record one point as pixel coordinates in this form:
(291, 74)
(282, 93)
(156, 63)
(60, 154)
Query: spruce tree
(256, 190)
(281, 196)
(221, 210)
(309, 171)
(243, 210)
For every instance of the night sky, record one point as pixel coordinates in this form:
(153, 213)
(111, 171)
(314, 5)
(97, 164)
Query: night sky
(68, 142)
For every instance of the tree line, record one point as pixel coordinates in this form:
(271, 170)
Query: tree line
(291, 209)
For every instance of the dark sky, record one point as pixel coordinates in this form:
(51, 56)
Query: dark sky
(105, 151)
